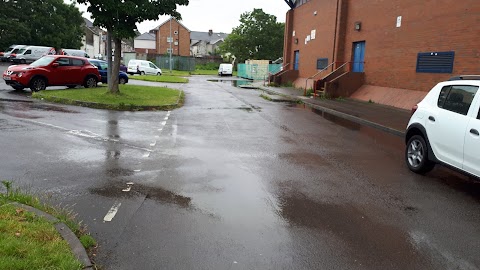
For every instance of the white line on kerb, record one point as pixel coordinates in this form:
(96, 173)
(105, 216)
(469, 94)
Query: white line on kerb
(164, 123)
(146, 154)
(166, 118)
(160, 129)
(153, 144)
(112, 212)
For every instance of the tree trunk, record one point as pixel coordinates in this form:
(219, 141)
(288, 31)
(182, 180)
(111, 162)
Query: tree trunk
(116, 66)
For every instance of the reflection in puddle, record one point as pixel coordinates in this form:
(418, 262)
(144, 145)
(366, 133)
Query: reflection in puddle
(380, 137)
(234, 83)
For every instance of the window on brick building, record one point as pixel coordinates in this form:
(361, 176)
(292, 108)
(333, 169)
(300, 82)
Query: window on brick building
(322, 63)
(435, 62)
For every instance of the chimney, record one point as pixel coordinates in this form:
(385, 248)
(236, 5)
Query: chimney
(210, 32)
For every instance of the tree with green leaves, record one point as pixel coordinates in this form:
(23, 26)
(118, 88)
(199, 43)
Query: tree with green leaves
(259, 36)
(49, 23)
(120, 17)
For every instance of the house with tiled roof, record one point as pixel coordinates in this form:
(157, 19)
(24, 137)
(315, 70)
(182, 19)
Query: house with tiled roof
(205, 43)
(146, 43)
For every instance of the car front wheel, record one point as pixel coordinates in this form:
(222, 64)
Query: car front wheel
(122, 81)
(416, 155)
(38, 84)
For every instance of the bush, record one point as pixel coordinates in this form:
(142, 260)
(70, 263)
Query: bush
(208, 66)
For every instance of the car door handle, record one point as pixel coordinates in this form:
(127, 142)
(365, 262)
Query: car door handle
(474, 132)
(431, 118)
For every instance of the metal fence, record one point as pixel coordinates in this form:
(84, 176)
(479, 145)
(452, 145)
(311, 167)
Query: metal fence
(178, 62)
(257, 71)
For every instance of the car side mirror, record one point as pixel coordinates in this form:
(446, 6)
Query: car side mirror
(55, 65)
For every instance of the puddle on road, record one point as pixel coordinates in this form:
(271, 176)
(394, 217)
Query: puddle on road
(234, 83)
(379, 137)
(114, 190)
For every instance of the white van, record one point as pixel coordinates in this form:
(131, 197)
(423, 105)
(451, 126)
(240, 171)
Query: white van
(142, 67)
(32, 53)
(11, 50)
(225, 69)
(73, 52)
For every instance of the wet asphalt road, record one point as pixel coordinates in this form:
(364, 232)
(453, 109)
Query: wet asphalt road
(232, 181)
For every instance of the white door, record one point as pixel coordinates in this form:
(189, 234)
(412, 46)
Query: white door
(471, 161)
(446, 125)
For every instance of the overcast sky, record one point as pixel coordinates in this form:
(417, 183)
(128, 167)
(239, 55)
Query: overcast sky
(218, 15)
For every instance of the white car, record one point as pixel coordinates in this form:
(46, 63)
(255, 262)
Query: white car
(445, 128)
(225, 69)
(142, 67)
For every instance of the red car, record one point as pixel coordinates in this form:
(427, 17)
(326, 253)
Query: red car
(53, 70)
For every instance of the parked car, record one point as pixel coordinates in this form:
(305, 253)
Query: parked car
(142, 67)
(102, 69)
(5, 56)
(52, 70)
(73, 52)
(30, 54)
(445, 128)
(225, 69)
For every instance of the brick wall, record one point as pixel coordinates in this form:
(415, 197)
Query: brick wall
(183, 39)
(427, 26)
(304, 21)
(391, 52)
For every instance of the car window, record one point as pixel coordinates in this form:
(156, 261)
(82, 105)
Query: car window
(77, 62)
(152, 65)
(28, 52)
(63, 61)
(457, 98)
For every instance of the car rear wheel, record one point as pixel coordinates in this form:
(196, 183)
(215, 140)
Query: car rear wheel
(142, 73)
(90, 82)
(122, 81)
(38, 84)
(23, 61)
(416, 155)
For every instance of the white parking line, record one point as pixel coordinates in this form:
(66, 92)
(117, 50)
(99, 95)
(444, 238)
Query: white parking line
(146, 154)
(154, 143)
(166, 118)
(112, 212)
(164, 123)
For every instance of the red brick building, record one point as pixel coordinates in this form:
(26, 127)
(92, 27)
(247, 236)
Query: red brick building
(180, 34)
(391, 52)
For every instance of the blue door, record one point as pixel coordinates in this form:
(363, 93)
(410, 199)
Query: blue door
(296, 58)
(358, 56)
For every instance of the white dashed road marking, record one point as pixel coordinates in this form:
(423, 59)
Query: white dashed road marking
(112, 212)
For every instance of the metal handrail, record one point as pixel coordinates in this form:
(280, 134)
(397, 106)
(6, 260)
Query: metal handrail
(281, 70)
(316, 74)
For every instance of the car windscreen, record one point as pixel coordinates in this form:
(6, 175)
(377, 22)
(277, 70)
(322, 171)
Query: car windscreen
(44, 61)
(19, 51)
(9, 49)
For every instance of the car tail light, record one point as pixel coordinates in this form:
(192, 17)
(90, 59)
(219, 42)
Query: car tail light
(414, 109)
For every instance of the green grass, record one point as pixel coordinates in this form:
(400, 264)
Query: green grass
(87, 241)
(180, 73)
(130, 96)
(31, 242)
(163, 78)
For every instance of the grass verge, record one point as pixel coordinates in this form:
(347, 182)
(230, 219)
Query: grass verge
(32, 242)
(163, 78)
(131, 97)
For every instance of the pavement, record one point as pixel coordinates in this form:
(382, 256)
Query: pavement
(234, 181)
(386, 118)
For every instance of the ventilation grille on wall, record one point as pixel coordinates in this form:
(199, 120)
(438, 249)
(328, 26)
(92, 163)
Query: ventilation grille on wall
(435, 62)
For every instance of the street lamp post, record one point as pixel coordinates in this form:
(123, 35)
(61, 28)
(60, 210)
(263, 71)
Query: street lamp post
(170, 39)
